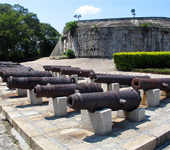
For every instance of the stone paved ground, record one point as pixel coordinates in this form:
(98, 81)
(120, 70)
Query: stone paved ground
(40, 128)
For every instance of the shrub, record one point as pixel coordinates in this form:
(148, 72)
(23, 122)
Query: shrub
(129, 60)
(145, 26)
(71, 26)
(70, 53)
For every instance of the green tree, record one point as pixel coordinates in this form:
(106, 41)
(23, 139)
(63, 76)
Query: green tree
(49, 39)
(22, 36)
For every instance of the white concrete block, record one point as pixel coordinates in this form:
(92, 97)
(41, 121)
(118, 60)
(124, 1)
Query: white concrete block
(114, 87)
(75, 76)
(54, 74)
(105, 87)
(88, 80)
(101, 121)
(86, 121)
(21, 92)
(122, 114)
(153, 97)
(32, 99)
(58, 106)
(135, 115)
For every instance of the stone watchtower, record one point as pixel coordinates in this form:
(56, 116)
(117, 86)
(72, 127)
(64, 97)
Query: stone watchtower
(101, 38)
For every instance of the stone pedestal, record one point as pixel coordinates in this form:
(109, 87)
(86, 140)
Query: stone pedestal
(21, 92)
(99, 122)
(152, 97)
(105, 87)
(135, 115)
(32, 99)
(114, 87)
(58, 106)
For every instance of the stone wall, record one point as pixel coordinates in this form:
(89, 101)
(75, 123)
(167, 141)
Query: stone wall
(102, 42)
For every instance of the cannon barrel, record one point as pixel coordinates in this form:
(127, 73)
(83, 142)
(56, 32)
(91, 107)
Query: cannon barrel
(84, 73)
(75, 70)
(146, 84)
(65, 89)
(54, 68)
(31, 82)
(14, 68)
(6, 75)
(70, 70)
(92, 75)
(121, 79)
(58, 68)
(115, 100)
(8, 63)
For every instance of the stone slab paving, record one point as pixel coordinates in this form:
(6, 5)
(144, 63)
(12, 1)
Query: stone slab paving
(42, 130)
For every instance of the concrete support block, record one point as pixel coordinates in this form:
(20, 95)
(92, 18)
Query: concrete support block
(75, 76)
(135, 115)
(88, 80)
(153, 97)
(32, 99)
(114, 87)
(54, 74)
(100, 121)
(85, 121)
(58, 106)
(105, 87)
(21, 92)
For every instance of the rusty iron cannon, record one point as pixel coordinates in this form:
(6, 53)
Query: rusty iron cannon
(115, 100)
(54, 68)
(92, 75)
(6, 75)
(70, 70)
(14, 68)
(75, 70)
(65, 89)
(6, 63)
(31, 82)
(121, 79)
(152, 83)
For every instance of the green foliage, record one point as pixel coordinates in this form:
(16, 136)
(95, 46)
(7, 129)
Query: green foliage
(22, 36)
(70, 53)
(145, 26)
(62, 38)
(95, 27)
(128, 61)
(153, 70)
(71, 26)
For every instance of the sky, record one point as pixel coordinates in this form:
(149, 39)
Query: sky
(58, 12)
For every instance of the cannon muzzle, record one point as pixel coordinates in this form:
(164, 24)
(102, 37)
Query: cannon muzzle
(6, 75)
(31, 82)
(120, 100)
(65, 89)
(121, 79)
(146, 84)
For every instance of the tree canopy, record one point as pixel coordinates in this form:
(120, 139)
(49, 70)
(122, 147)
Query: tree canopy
(22, 36)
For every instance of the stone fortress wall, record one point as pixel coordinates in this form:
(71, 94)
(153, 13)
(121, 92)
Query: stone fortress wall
(102, 37)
